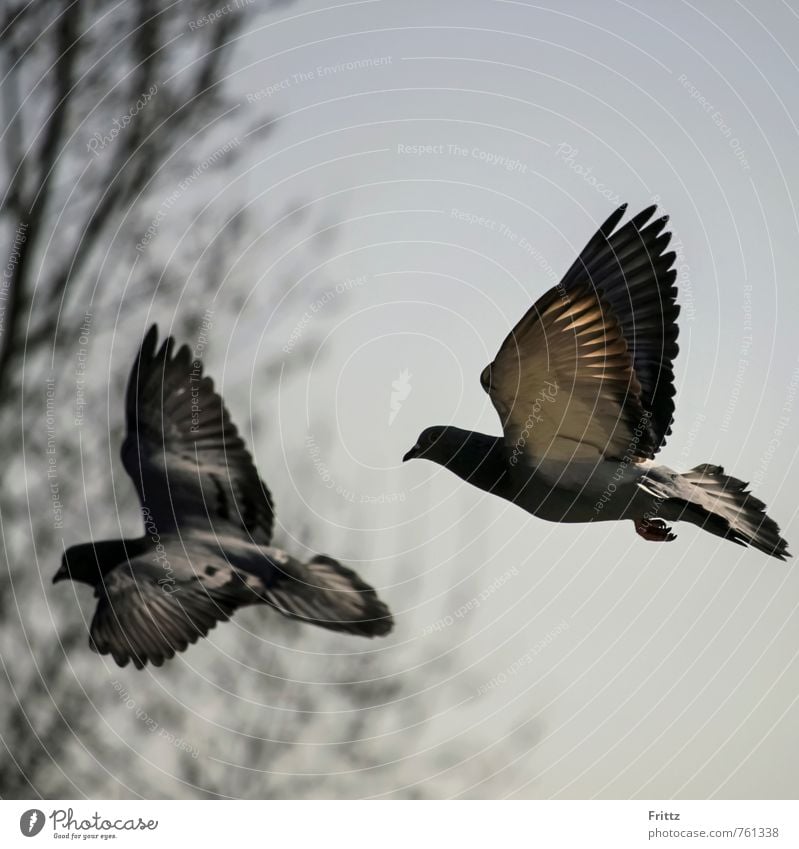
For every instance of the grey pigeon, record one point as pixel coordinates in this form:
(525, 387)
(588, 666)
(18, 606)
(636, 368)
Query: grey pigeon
(208, 526)
(584, 387)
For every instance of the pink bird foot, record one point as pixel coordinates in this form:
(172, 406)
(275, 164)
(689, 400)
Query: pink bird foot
(655, 530)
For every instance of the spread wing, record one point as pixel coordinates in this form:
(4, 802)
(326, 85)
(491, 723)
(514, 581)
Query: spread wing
(587, 373)
(187, 461)
(143, 616)
(632, 272)
(149, 609)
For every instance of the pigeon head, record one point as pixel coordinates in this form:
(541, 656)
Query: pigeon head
(79, 563)
(449, 446)
(89, 561)
(434, 443)
(477, 458)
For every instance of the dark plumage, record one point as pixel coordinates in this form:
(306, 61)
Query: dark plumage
(632, 272)
(584, 388)
(208, 522)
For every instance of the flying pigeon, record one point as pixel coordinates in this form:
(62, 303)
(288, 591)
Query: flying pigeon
(208, 526)
(584, 387)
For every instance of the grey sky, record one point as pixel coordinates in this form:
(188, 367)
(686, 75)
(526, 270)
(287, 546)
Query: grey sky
(620, 668)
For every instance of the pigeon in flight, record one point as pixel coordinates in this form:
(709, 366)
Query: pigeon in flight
(208, 526)
(584, 387)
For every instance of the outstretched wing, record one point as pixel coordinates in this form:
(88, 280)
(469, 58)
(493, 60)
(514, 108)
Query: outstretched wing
(143, 617)
(632, 272)
(187, 461)
(564, 386)
(587, 373)
(149, 609)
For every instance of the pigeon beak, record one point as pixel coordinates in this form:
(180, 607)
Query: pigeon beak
(411, 454)
(60, 575)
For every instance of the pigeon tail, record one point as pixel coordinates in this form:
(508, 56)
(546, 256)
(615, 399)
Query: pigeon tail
(722, 505)
(323, 592)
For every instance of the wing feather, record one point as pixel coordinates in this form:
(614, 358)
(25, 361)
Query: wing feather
(137, 619)
(183, 453)
(605, 337)
(632, 272)
(564, 385)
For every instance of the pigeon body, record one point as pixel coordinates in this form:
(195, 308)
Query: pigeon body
(584, 389)
(208, 522)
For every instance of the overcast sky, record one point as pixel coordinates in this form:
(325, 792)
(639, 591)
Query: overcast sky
(460, 155)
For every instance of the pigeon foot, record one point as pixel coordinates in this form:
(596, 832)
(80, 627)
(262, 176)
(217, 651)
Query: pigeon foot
(655, 530)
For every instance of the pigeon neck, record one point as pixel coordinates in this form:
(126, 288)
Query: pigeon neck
(119, 550)
(483, 462)
(88, 562)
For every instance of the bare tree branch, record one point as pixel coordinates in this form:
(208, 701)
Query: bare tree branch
(32, 220)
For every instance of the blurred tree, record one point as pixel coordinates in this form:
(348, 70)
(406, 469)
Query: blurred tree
(108, 107)
(99, 100)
